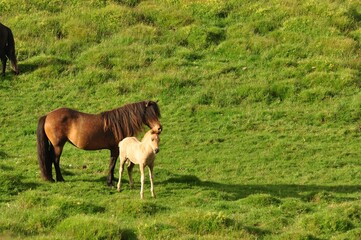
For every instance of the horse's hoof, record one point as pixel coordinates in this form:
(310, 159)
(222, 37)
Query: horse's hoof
(49, 180)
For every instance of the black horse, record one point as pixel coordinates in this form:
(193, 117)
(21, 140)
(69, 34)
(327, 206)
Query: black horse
(7, 48)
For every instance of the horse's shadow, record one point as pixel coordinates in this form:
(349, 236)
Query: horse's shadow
(27, 67)
(3, 155)
(239, 191)
(30, 65)
(23, 68)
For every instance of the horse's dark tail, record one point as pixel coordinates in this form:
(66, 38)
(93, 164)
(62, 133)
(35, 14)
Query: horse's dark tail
(10, 51)
(45, 153)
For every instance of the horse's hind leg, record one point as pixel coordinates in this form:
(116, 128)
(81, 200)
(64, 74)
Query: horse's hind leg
(57, 151)
(3, 61)
(141, 167)
(130, 174)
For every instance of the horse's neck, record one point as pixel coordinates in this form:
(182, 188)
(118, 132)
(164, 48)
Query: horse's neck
(146, 146)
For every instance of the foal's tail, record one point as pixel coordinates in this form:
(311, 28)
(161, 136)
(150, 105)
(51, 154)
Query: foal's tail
(45, 152)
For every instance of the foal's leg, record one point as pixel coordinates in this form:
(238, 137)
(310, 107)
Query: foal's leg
(57, 152)
(121, 168)
(141, 167)
(151, 177)
(114, 153)
(130, 174)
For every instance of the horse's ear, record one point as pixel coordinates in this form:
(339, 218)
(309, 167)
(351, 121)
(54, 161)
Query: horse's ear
(147, 103)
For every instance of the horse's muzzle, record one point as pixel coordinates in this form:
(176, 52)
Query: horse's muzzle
(156, 150)
(159, 130)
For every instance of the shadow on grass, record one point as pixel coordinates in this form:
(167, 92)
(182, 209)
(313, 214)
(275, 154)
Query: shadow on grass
(97, 180)
(3, 155)
(9, 76)
(66, 172)
(128, 234)
(23, 68)
(27, 67)
(6, 168)
(12, 186)
(239, 191)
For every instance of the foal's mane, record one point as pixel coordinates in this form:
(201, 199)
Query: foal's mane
(128, 120)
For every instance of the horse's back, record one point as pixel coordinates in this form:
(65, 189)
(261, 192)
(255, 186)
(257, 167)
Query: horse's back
(128, 146)
(128, 142)
(65, 114)
(63, 111)
(61, 116)
(84, 130)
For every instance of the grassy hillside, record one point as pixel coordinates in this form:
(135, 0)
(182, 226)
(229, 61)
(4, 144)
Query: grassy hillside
(260, 102)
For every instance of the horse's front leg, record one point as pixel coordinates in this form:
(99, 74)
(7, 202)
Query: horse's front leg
(121, 168)
(151, 177)
(141, 167)
(130, 174)
(114, 153)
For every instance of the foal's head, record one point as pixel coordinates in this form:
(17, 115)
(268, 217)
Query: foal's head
(152, 138)
(151, 116)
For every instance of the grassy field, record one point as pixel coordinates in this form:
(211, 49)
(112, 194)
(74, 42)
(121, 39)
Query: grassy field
(261, 109)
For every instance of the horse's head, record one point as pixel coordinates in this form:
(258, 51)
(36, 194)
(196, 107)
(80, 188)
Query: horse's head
(151, 116)
(152, 138)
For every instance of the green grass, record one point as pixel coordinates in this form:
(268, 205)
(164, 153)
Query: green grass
(261, 108)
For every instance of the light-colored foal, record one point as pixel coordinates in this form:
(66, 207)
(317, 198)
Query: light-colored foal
(142, 153)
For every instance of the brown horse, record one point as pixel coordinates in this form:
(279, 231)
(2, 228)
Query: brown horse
(91, 132)
(7, 48)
